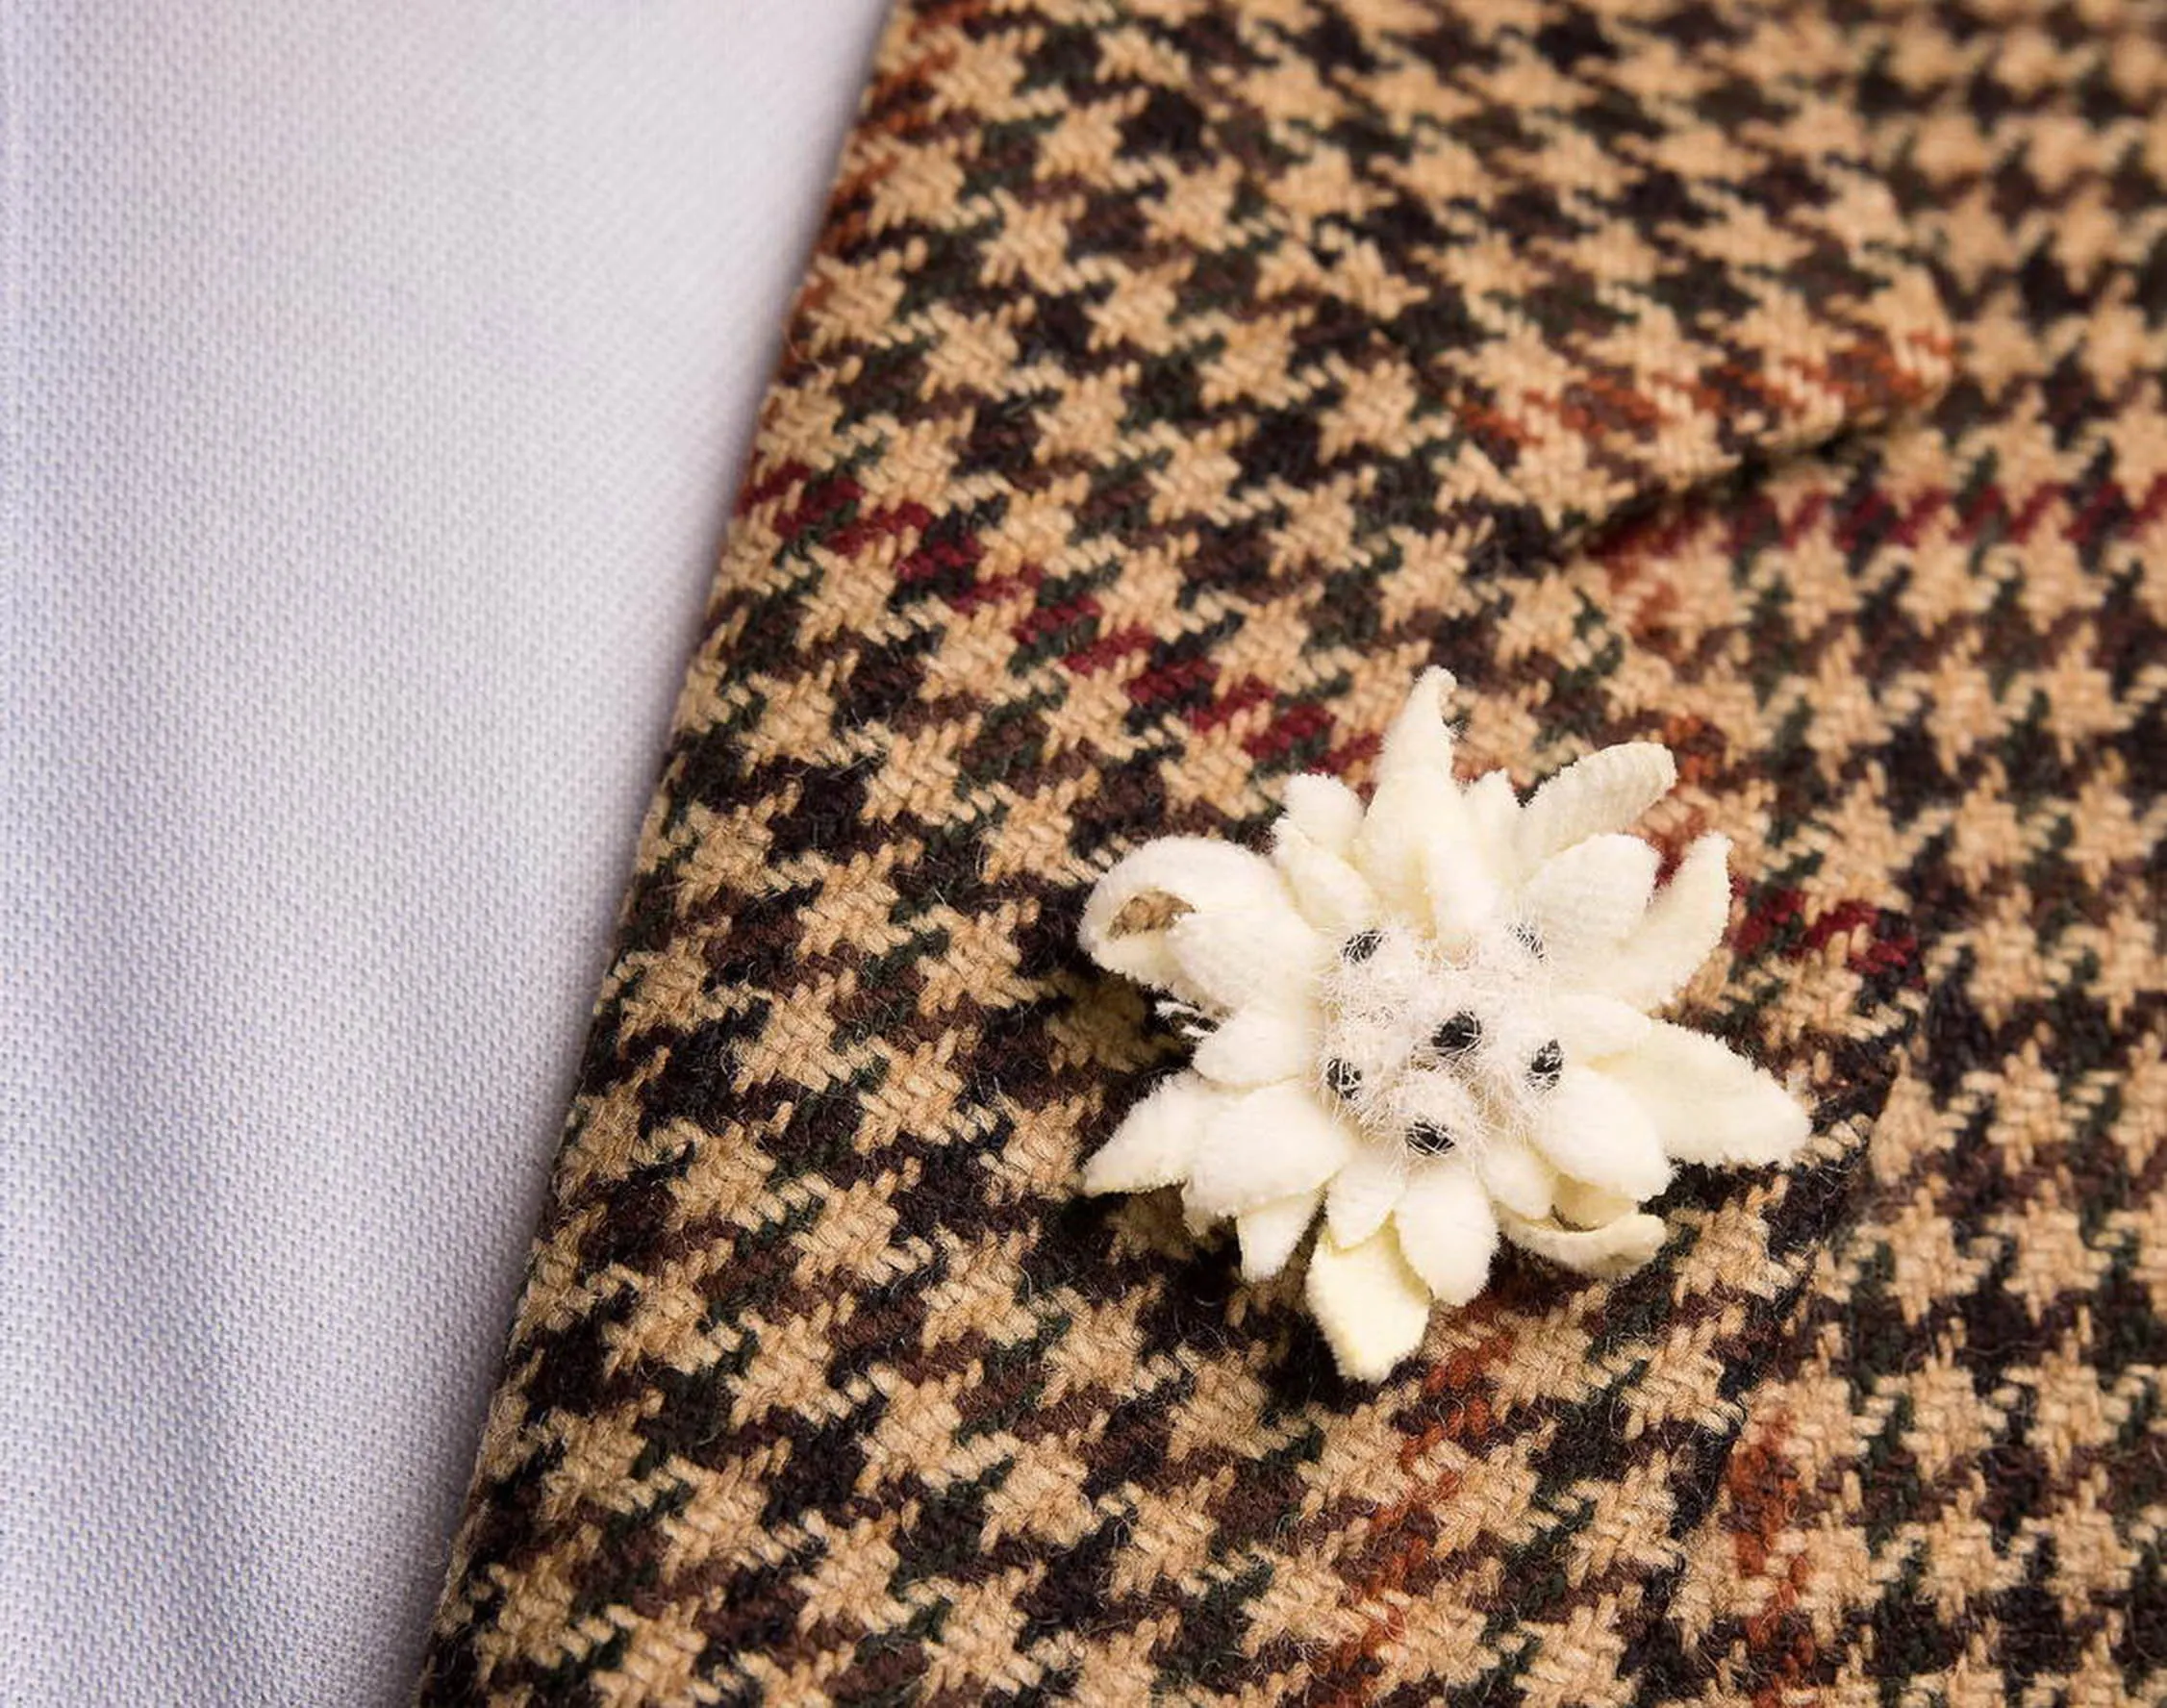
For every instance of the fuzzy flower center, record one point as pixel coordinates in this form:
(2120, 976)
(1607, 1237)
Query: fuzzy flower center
(1437, 1053)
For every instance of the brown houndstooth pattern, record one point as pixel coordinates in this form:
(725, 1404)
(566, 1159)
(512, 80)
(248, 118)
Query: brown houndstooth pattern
(1174, 379)
(1952, 1485)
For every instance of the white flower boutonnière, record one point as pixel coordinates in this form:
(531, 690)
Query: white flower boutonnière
(1430, 1019)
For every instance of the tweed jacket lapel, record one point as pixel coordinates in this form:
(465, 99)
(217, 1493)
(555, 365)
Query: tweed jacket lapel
(1171, 383)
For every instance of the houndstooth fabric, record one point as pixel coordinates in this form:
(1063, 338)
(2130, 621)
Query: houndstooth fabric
(1174, 379)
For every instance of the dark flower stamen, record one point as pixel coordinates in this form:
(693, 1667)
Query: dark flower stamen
(1344, 1077)
(1430, 1139)
(1361, 947)
(1546, 1066)
(1458, 1034)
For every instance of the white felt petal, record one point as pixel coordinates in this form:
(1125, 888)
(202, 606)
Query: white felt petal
(1684, 924)
(1364, 1192)
(1416, 809)
(1258, 1046)
(1271, 1143)
(1331, 894)
(1269, 1232)
(1493, 815)
(1595, 1130)
(1581, 1205)
(1583, 898)
(1324, 810)
(1448, 1231)
(1592, 1026)
(1516, 1177)
(1615, 1248)
(1158, 1139)
(1708, 1103)
(1126, 921)
(1468, 897)
(1462, 890)
(1372, 1306)
(1234, 957)
(1604, 792)
(1418, 747)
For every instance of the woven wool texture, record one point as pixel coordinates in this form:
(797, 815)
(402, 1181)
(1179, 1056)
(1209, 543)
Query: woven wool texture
(1173, 382)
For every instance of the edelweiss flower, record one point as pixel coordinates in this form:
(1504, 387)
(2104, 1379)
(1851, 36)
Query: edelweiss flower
(1430, 1019)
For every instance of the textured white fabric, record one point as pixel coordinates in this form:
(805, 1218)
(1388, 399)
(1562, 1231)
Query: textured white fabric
(375, 381)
